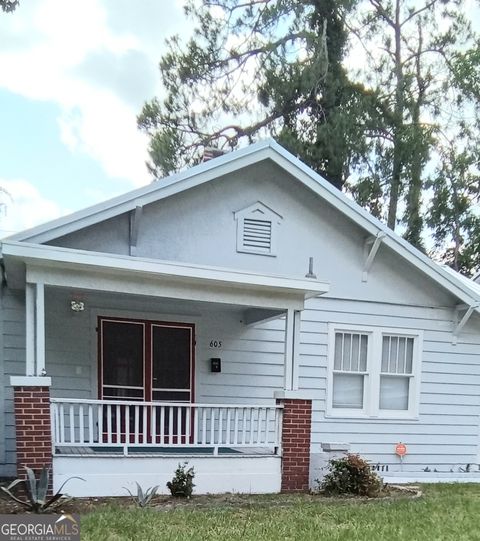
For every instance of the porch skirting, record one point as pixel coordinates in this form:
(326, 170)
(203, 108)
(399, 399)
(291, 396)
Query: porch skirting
(110, 476)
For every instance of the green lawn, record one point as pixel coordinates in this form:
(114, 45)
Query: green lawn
(443, 512)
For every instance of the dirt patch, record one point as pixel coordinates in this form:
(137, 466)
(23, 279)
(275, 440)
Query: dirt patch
(166, 503)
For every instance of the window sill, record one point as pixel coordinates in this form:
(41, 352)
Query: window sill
(366, 417)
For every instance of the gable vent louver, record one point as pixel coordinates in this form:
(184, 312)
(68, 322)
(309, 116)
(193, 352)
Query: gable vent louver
(257, 230)
(257, 234)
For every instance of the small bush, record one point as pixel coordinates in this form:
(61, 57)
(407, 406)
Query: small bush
(351, 475)
(181, 486)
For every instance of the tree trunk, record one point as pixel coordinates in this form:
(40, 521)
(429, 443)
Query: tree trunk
(397, 166)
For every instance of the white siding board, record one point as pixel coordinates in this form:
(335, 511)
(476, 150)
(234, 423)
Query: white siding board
(13, 356)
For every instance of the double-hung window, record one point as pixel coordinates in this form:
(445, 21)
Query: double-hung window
(349, 370)
(374, 372)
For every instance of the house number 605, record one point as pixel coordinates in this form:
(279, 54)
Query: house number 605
(216, 344)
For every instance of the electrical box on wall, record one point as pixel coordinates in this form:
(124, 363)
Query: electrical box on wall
(215, 365)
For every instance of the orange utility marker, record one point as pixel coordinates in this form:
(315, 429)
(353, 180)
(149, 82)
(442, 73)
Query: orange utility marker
(401, 451)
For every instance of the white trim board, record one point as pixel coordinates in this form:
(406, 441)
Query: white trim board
(229, 163)
(98, 271)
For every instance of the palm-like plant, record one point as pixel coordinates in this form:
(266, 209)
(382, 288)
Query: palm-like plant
(36, 490)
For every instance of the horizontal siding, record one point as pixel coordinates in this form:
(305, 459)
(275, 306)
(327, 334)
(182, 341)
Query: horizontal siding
(252, 357)
(447, 431)
(13, 357)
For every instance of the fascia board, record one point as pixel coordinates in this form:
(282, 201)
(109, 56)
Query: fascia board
(53, 256)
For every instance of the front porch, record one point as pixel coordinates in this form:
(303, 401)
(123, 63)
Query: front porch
(113, 444)
(93, 405)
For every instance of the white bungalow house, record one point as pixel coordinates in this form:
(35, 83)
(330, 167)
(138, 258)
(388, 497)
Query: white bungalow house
(244, 316)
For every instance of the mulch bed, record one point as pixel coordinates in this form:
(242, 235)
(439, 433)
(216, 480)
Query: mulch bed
(165, 503)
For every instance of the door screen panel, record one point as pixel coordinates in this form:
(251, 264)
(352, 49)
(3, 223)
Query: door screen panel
(122, 350)
(171, 363)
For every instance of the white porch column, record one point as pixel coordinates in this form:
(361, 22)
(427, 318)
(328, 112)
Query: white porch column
(35, 329)
(40, 329)
(30, 329)
(292, 349)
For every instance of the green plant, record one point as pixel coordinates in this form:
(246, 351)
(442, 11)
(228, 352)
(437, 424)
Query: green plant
(181, 486)
(351, 475)
(36, 491)
(143, 499)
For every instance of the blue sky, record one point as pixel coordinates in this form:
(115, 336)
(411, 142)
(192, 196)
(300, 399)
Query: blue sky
(73, 77)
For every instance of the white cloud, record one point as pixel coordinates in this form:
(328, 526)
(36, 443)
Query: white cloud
(97, 60)
(23, 206)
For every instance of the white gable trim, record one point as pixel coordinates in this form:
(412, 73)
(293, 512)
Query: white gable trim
(266, 210)
(232, 162)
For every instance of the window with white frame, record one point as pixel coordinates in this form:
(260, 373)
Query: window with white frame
(349, 370)
(374, 371)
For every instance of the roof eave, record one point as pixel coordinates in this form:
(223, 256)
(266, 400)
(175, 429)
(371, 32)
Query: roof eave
(37, 254)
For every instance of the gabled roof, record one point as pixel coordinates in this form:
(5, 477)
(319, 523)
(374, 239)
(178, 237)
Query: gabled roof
(234, 161)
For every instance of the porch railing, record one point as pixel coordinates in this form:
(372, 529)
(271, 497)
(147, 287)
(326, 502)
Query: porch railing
(133, 424)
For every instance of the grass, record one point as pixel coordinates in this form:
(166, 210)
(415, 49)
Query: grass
(444, 512)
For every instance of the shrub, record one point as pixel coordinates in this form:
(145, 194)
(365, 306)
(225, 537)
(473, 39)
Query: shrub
(181, 486)
(36, 491)
(351, 475)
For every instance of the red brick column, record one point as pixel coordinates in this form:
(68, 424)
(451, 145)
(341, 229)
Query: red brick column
(33, 428)
(297, 427)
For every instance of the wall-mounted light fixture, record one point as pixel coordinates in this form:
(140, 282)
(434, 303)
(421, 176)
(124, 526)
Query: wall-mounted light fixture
(77, 306)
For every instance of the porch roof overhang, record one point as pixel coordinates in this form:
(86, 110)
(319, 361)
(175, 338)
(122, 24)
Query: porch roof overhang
(65, 267)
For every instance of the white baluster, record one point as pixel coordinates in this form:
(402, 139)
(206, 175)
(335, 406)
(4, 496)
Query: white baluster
(244, 425)
(252, 425)
(72, 424)
(212, 427)
(220, 426)
(100, 422)
(109, 423)
(204, 426)
(170, 425)
(127, 424)
(90, 423)
(81, 427)
(227, 429)
(153, 429)
(118, 419)
(235, 427)
(144, 424)
(267, 426)
(162, 425)
(179, 425)
(195, 425)
(137, 424)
